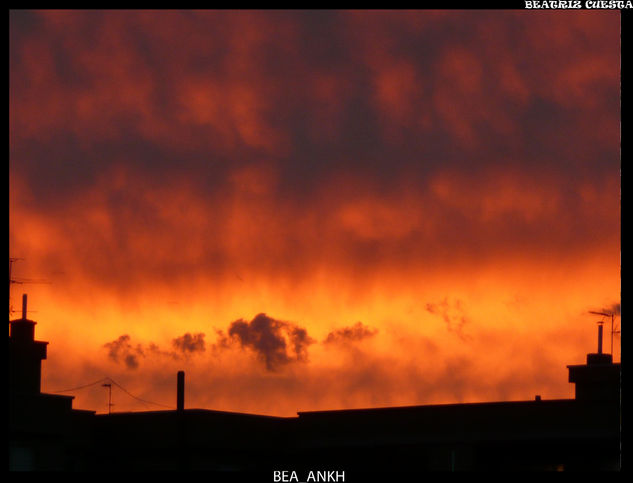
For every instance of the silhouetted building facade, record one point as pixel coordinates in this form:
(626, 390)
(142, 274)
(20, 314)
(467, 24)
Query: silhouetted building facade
(580, 433)
(599, 379)
(25, 355)
(43, 428)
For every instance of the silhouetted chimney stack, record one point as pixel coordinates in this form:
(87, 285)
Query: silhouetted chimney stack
(25, 354)
(22, 330)
(599, 338)
(599, 379)
(180, 395)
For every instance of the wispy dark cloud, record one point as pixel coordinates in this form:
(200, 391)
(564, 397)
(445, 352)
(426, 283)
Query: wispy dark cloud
(121, 350)
(354, 333)
(452, 313)
(189, 343)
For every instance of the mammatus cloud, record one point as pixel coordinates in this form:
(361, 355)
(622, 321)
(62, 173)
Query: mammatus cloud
(275, 342)
(402, 139)
(355, 333)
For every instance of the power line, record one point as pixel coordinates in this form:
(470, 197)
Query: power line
(108, 378)
(20, 280)
(138, 398)
(82, 387)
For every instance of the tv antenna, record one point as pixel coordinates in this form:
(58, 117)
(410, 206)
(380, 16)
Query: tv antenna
(20, 281)
(613, 330)
(109, 386)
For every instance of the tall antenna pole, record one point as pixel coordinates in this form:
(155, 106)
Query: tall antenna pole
(109, 386)
(11, 260)
(19, 280)
(604, 314)
(612, 334)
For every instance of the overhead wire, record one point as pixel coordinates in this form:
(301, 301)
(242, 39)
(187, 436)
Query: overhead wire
(109, 379)
(82, 387)
(138, 398)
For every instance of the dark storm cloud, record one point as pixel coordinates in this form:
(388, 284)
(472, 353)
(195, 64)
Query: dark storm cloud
(354, 333)
(276, 342)
(493, 85)
(401, 138)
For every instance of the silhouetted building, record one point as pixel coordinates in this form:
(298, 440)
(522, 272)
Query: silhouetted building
(43, 428)
(580, 433)
(25, 355)
(599, 379)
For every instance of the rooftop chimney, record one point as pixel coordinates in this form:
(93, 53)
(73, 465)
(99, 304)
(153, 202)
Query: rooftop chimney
(22, 330)
(599, 379)
(599, 338)
(25, 354)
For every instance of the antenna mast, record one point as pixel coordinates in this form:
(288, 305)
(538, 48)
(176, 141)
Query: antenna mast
(607, 314)
(11, 260)
(19, 280)
(109, 386)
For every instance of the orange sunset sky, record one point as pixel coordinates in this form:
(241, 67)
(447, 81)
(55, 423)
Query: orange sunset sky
(315, 209)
